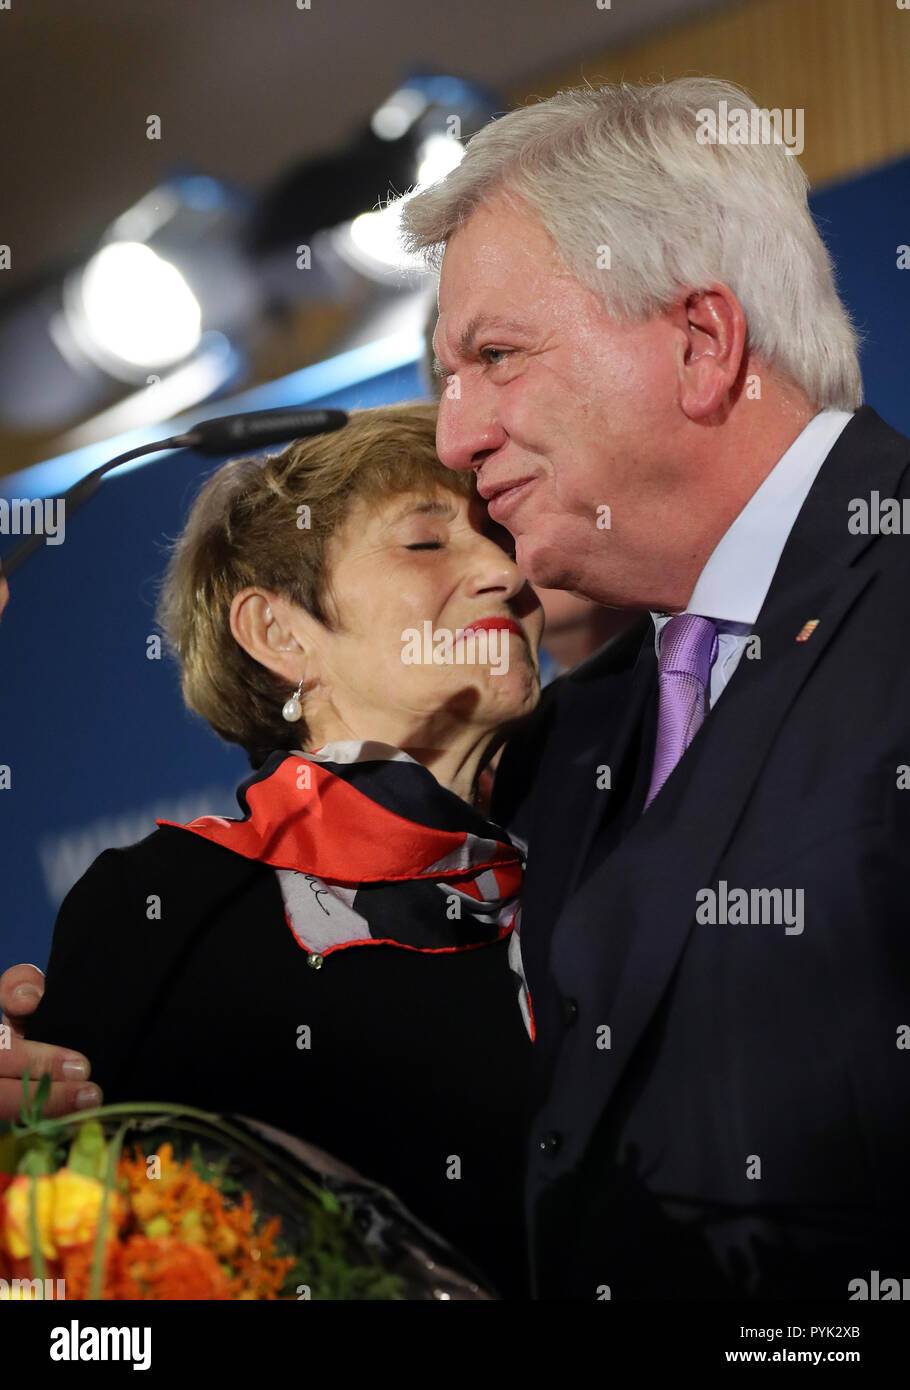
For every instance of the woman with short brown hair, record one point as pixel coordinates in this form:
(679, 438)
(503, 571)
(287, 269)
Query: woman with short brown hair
(363, 898)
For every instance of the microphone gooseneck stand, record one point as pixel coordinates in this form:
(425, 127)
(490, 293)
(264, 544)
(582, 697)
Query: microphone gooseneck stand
(256, 429)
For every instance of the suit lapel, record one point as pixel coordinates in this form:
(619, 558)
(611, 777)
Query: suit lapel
(620, 709)
(628, 924)
(596, 698)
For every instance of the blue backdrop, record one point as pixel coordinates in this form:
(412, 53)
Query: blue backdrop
(95, 735)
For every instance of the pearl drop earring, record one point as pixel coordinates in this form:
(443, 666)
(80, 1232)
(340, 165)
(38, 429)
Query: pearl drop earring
(292, 708)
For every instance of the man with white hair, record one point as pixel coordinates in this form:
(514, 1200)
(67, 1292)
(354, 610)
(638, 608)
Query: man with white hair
(651, 373)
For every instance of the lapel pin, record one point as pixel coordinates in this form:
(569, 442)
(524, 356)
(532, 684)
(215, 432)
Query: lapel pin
(807, 630)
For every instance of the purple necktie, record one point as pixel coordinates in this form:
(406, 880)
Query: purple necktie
(688, 646)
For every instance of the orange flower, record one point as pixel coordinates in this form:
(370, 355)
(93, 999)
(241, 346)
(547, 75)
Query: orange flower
(149, 1269)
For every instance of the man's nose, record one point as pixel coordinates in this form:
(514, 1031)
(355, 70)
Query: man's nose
(465, 431)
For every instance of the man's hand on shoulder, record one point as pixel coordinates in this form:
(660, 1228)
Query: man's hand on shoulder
(21, 988)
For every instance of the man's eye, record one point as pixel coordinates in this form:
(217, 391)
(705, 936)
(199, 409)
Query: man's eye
(425, 545)
(489, 355)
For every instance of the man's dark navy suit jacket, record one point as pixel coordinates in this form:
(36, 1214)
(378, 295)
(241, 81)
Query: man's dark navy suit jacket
(724, 1107)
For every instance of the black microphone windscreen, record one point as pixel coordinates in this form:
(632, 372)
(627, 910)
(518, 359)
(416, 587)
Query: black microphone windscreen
(259, 428)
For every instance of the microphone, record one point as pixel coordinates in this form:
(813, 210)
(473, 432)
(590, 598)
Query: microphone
(254, 429)
(258, 428)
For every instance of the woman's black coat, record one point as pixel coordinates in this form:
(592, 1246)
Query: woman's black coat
(174, 970)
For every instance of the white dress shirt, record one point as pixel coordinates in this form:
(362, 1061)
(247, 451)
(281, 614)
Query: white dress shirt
(733, 584)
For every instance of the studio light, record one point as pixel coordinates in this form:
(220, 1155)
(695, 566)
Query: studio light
(167, 288)
(433, 114)
(132, 308)
(371, 242)
(167, 308)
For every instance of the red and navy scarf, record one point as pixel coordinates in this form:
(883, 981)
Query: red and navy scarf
(369, 849)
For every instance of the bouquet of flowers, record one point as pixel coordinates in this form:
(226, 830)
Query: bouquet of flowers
(156, 1201)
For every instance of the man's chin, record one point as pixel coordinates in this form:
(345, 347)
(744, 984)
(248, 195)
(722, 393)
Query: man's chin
(540, 564)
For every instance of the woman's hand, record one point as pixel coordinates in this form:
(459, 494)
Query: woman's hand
(21, 988)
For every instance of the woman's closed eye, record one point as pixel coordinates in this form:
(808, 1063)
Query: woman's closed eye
(425, 545)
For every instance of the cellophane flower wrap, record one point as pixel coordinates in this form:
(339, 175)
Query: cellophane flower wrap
(156, 1201)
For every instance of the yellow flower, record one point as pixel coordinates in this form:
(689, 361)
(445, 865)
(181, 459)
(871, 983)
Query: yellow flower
(77, 1208)
(17, 1216)
(68, 1206)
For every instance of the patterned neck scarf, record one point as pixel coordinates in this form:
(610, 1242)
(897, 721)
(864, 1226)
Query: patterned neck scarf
(369, 849)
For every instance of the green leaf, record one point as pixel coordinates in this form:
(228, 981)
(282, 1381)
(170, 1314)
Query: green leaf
(25, 1102)
(37, 1159)
(109, 1177)
(34, 1239)
(88, 1151)
(42, 1091)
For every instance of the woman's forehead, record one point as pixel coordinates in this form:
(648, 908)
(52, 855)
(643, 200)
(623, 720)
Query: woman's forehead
(426, 499)
(433, 502)
(379, 516)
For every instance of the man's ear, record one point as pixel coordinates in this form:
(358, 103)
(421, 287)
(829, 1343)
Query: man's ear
(712, 350)
(261, 625)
